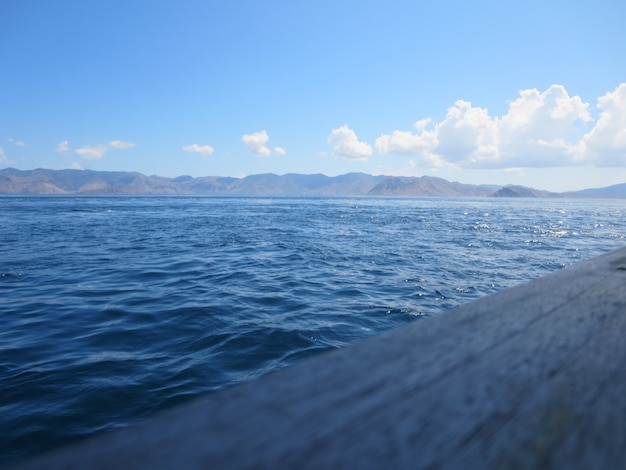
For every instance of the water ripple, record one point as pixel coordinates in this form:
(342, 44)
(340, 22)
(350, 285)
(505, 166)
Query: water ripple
(115, 307)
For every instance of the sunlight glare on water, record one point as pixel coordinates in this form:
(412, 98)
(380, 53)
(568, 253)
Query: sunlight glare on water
(112, 308)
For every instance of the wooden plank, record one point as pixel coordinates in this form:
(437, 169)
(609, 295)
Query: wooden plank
(531, 377)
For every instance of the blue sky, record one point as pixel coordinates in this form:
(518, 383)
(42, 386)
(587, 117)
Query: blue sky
(530, 93)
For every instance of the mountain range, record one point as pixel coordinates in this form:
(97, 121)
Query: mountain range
(43, 181)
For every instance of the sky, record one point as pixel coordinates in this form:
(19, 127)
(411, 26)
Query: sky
(495, 92)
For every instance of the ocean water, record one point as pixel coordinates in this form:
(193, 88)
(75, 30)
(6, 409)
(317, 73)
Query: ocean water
(112, 308)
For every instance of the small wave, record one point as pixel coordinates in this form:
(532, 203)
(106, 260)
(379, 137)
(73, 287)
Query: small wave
(114, 308)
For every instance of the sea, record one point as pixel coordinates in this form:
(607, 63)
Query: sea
(115, 307)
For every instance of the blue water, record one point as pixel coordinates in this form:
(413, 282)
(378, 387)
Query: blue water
(112, 308)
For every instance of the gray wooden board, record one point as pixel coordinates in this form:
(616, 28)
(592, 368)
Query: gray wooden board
(530, 377)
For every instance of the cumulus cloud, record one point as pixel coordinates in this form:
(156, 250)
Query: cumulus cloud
(3, 157)
(543, 129)
(467, 134)
(257, 144)
(539, 129)
(120, 144)
(63, 147)
(201, 149)
(605, 144)
(95, 152)
(346, 145)
(408, 143)
(89, 152)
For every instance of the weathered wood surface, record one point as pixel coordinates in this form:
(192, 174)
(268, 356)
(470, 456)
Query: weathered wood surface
(532, 377)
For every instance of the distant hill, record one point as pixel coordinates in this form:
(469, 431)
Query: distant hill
(42, 181)
(426, 186)
(617, 190)
(522, 191)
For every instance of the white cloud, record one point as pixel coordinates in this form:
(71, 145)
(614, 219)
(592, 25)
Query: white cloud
(407, 143)
(605, 144)
(63, 147)
(467, 134)
(19, 143)
(201, 149)
(120, 144)
(540, 129)
(257, 144)
(89, 152)
(94, 152)
(346, 145)
(3, 157)
(543, 129)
